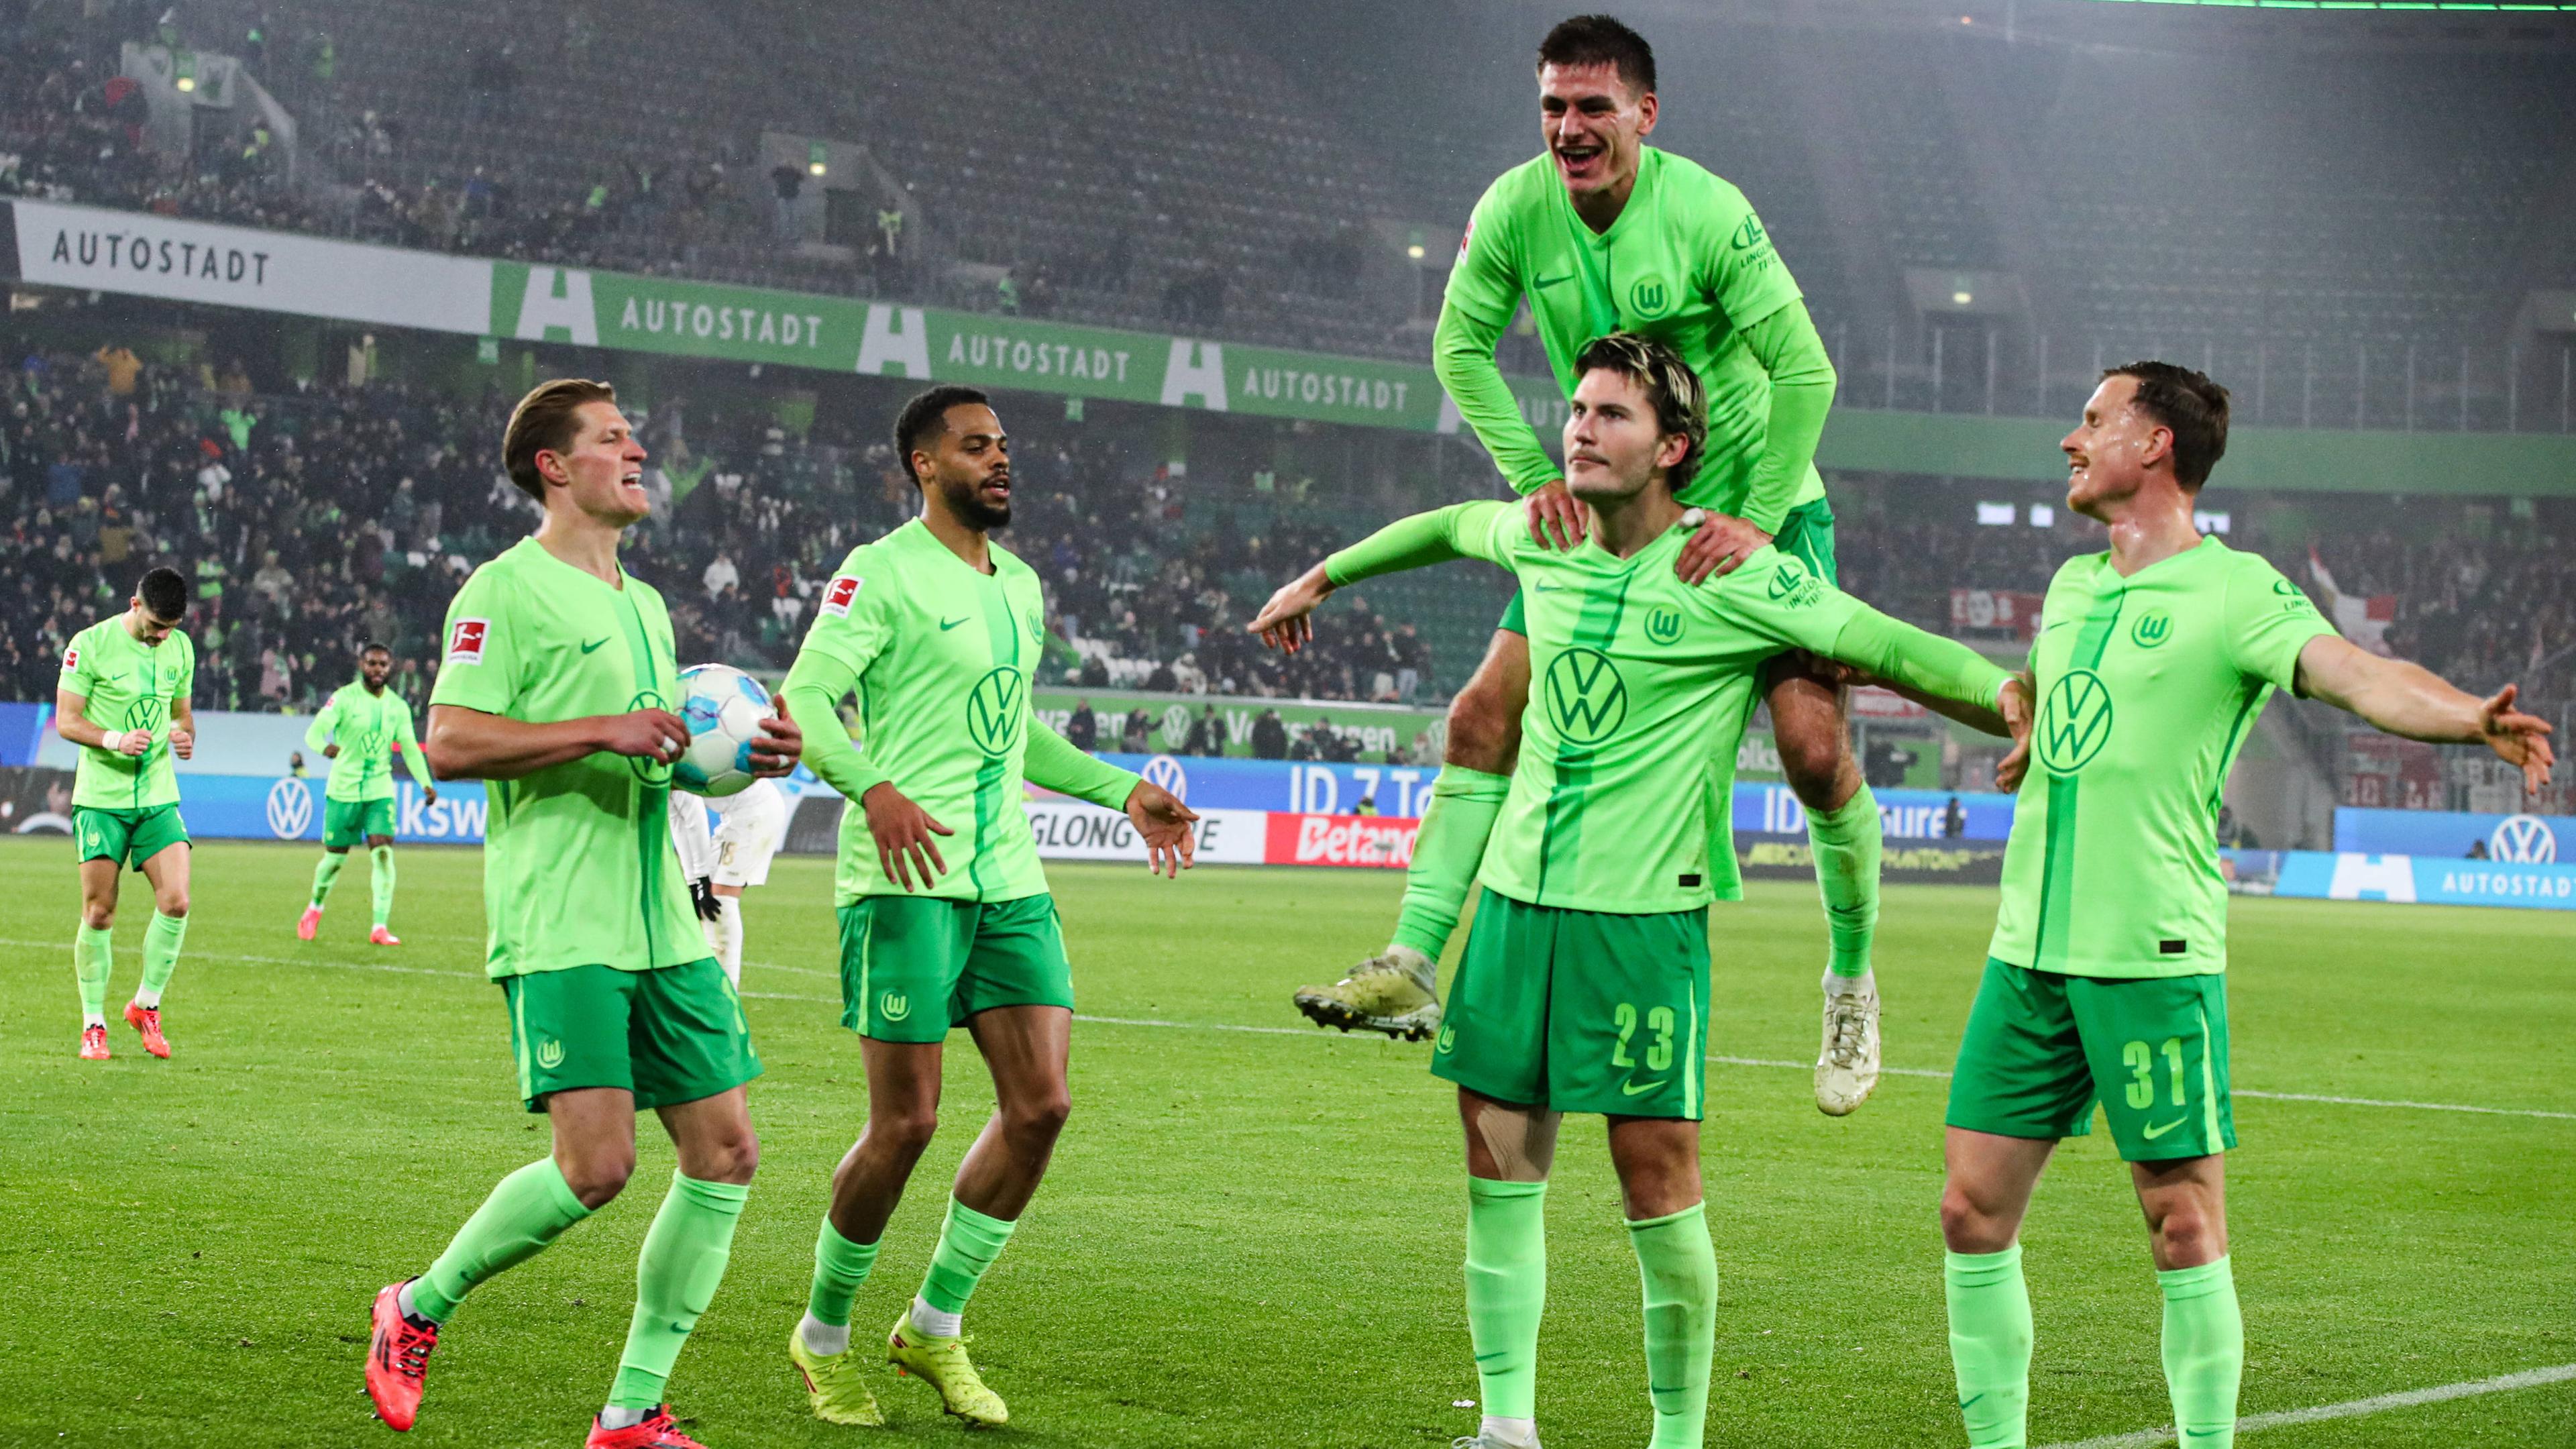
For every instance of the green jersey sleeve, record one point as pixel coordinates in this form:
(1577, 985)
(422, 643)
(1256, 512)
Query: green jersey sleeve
(318, 733)
(1776, 597)
(413, 759)
(850, 630)
(1053, 763)
(2268, 621)
(1485, 280)
(184, 691)
(80, 668)
(480, 668)
(1480, 530)
(1484, 290)
(1741, 269)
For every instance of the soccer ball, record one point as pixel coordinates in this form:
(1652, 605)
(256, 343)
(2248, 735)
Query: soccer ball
(723, 707)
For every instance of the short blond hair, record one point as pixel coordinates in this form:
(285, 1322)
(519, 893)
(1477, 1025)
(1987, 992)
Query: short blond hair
(546, 421)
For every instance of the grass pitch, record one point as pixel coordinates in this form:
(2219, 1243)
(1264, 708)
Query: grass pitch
(1249, 1237)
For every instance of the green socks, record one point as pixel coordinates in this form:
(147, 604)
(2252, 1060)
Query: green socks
(1990, 1345)
(1845, 842)
(840, 1266)
(684, 1259)
(1678, 1265)
(382, 857)
(324, 874)
(529, 1209)
(1446, 853)
(161, 942)
(2204, 1352)
(91, 957)
(1507, 1291)
(968, 1244)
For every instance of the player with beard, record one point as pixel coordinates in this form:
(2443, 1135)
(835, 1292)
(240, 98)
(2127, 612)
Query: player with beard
(358, 732)
(938, 631)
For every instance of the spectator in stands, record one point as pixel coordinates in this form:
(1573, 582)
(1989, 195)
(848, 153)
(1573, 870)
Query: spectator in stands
(720, 575)
(1135, 736)
(1207, 734)
(1082, 728)
(1269, 737)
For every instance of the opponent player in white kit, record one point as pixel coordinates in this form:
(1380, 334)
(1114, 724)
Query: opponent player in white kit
(749, 829)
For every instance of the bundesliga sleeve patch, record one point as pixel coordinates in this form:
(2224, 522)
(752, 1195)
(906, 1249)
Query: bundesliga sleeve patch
(71, 659)
(838, 593)
(1465, 237)
(465, 646)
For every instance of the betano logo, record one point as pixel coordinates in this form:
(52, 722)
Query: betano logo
(1586, 698)
(2076, 722)
(994, 709)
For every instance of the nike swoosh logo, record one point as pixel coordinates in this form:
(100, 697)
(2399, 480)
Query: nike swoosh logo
(1551, 281)
(2060, 624)
(1970, 1399)
(593, 644)
(2154, 1132)
(1630, 1089)
(947, 624)
(1545, 588)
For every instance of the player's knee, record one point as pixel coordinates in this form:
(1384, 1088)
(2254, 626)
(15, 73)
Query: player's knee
(2188, 1233)
(733, 1158)
(598, 1177)
(905, 1133)
(1040, 1119)
(1813, 763)
(1968, 1227)
(171, 903)
(1480, 731)
(98, 917)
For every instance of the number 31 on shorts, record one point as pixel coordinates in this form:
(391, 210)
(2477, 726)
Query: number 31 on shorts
(2141, 1061)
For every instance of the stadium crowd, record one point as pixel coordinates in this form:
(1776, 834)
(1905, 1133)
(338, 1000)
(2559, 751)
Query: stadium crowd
(312, 520)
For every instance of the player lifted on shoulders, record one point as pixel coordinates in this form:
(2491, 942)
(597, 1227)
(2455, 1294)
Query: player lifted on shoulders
(749, 824)
(555, 688)
(123, 698)
(2105, 979)
(1605, 233)
(1585, 982)
(938, 630)
(358, 732)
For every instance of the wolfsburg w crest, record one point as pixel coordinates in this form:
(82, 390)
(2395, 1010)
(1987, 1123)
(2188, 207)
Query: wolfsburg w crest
(994, 710)
(1586, 698)
(2075, 723)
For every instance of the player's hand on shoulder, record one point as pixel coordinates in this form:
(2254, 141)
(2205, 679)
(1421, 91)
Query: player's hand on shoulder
(1555, 519)
(902, 831)
(1164, 822)
(646, 734)
(1721, 546)
(780, 744)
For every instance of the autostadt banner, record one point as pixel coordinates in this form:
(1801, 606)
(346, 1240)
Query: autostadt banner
(140, 254)
(2352, 875)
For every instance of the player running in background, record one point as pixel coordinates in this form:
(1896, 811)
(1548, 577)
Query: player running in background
(1584, 986)
(938, 630)
(1604, 233)
(2105, 979)
(123, 697)
(555, 687)
(358, 731)
(750, 824)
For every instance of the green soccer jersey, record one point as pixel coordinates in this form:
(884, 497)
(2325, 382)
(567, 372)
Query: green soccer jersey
(578, 868)
(129, 686)
(2147, 687)
(366, 726)
(940, 656)
(1640, 687)
(1686, 263)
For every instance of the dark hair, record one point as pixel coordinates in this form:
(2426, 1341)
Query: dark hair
(2187, 404)
(546, 421)
(165, 593)
(1681, 403)
(373, 646)
(926, 416)
(1600, 40)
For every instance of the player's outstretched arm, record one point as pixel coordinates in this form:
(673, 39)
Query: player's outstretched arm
(1943, 674)
(2408, 699)
(1051, 762)
(467, 744)
(1461, 530)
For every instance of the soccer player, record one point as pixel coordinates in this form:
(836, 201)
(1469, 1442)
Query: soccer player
(749, 825)
(555, 687)
(2105, 979)
(1584, 986)
(1604, 233)
(938, 630)
(358, 732)
(123, 698)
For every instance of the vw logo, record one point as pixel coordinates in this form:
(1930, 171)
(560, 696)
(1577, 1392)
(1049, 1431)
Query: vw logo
(1585, 696)
(2526, 839)
(290, 808)
(1176, 724)
(1165, 771)
(994, 710)
(2075, 723)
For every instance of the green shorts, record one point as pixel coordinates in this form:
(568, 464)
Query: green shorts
(349, 822)
(1580, 1011)
(127, 836)
(670, 1035)
(2041, 1049)
(912, 967)
(1806, 532)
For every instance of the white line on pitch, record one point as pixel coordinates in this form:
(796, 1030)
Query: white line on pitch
(1316, 1033)
(2501, 1383)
